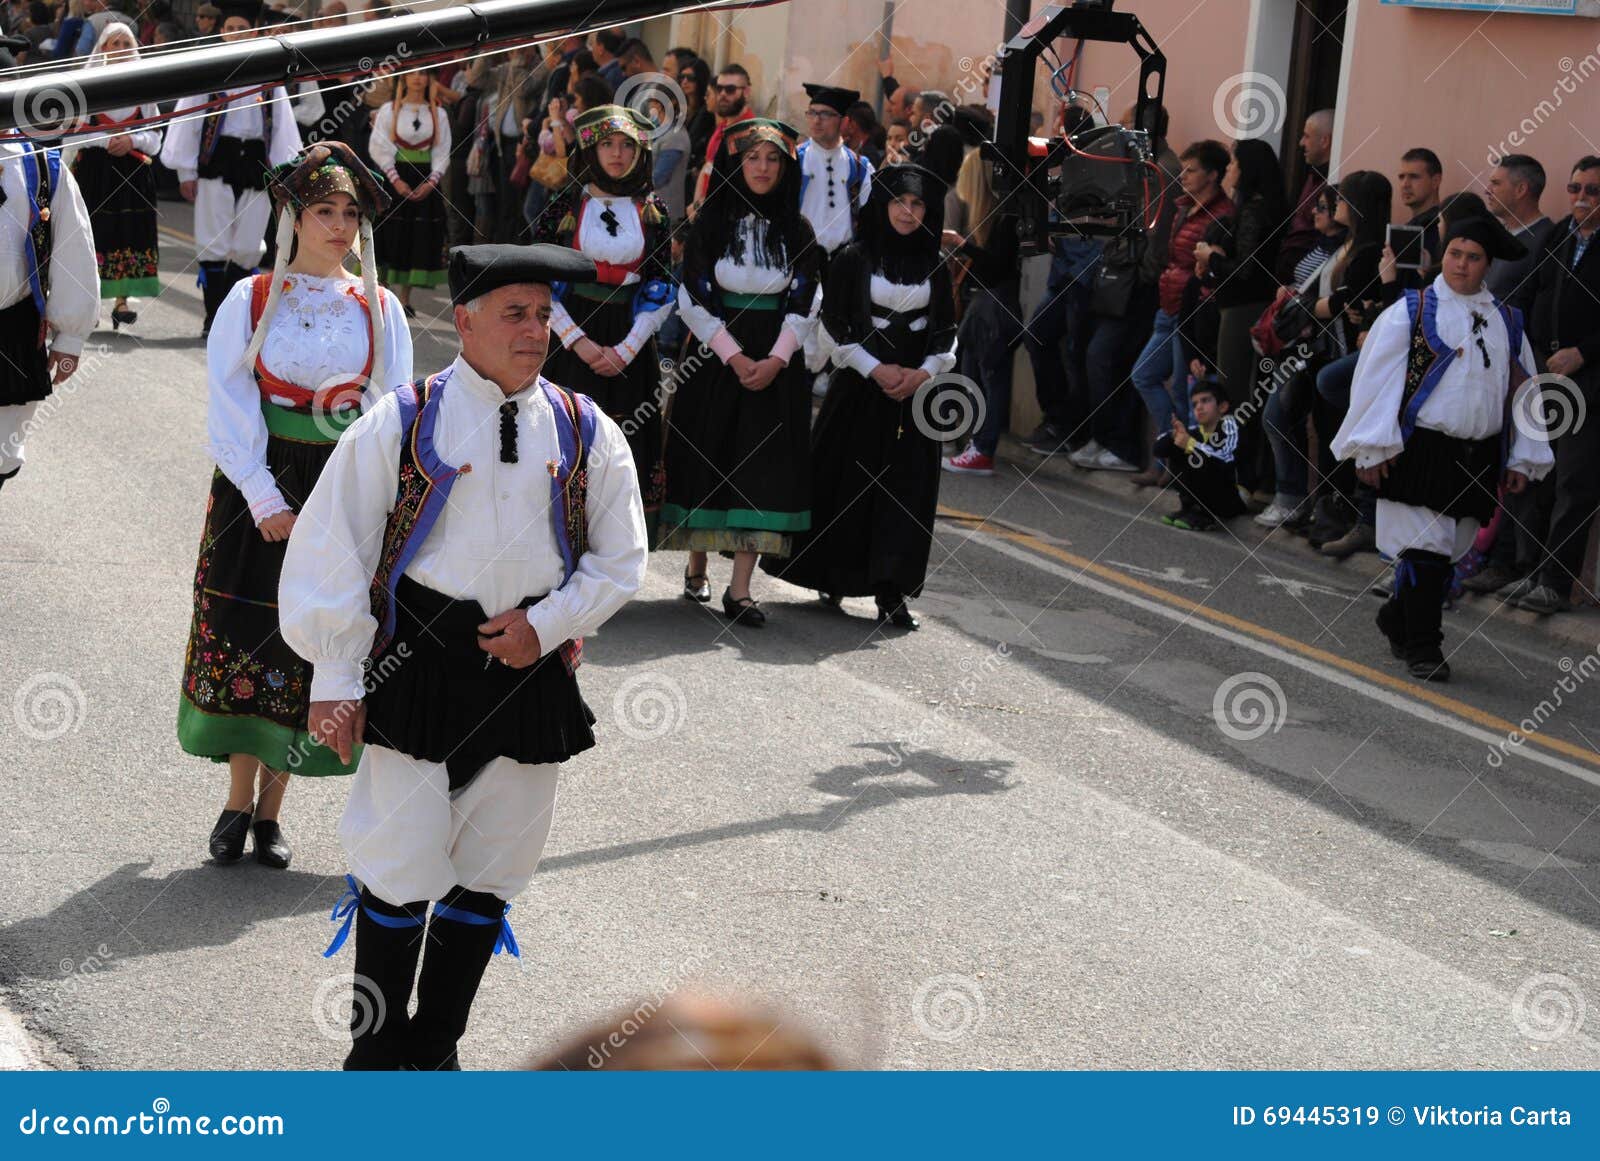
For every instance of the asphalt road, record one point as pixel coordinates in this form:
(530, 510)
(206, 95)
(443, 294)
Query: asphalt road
(1132, 798)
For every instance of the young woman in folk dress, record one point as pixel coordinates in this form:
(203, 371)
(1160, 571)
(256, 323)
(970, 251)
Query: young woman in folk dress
(607, 347)
(410, 143)
(292, 359)
(114, 168)
(738, 459)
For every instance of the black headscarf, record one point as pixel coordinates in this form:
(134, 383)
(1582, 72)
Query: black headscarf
(943, 154)
(729, 199)
(904, 258)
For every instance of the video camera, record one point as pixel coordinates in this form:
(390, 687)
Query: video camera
(1100, 180)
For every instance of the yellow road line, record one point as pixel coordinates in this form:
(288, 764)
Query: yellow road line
(1414, 690)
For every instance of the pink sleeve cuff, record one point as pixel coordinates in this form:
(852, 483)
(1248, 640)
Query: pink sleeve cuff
(788, 343)
(724, 345)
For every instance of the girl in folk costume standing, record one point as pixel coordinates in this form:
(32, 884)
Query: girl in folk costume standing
(411, 145)
(738, 458)
(889, 311)
(607, 328)
(293, 358)
(117, 180)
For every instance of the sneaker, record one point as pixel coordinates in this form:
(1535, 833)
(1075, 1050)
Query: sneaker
(1383, 584)
(1189, 521)
(1300, 516)
(1491, 580)
(1275, 514)
(1087, 455)
(1543, 600)
(971, 462)
(1110, 461)
(1048, 439)
(1359, 539)
(1516, 592)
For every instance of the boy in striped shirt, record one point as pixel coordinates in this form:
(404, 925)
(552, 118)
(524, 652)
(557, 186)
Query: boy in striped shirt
(1201, 461)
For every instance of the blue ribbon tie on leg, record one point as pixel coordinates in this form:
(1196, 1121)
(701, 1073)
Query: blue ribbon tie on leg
(345, 909)
(505, 941)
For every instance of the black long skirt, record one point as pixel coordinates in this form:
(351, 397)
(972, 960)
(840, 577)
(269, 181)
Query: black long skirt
(738, 462)
(874, 492)
(244, 690)
(410, 238)
(633, 399)
(120, 193)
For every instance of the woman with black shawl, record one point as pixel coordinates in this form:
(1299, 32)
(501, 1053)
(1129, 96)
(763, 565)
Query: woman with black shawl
(738, 456)
(607, 329)
(887, 307)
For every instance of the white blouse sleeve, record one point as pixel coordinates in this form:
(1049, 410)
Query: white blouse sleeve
(324, 612)
(611, 571)
(1530, 451)
(397, 348)
(706, 327)
(1370, 433)
(799, 327)
(73, 305)
(852, 355)
(645, 324)
(308, 103)
(236, 432)
(564, 325)
(285, 144)
(441, 145)
(148, 141)
(180, 152)
(380, 145)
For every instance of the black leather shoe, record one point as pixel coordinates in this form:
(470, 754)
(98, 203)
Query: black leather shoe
(227, 837)
(123, 318)
(899, 616)
(1427, 669)
(744, 611)
(272, 849)
(697, 587)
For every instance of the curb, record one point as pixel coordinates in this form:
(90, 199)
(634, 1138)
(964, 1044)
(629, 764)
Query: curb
(18, 1050)
(1580, 626)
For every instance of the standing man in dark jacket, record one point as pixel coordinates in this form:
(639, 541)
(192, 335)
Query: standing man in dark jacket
(1316, 145)
(1565, 332)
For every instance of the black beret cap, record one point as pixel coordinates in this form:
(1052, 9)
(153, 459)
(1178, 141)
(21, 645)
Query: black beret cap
(476, 270)
(1496, 240)
(839, 100)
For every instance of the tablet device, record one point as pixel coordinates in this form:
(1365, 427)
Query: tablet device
(1406, 242)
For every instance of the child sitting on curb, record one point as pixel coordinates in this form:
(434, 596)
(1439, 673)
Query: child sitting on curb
(1201, 461)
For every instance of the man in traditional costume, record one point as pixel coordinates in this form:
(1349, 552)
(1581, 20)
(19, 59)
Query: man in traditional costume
(49, 287)
(224, 146)
(835, 182)
(466, 535)
(1439, 418)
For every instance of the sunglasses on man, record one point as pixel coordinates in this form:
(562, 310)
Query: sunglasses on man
(730, 89)
(1575, 188)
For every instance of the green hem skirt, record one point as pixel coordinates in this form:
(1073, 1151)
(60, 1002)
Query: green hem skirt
(216, 736)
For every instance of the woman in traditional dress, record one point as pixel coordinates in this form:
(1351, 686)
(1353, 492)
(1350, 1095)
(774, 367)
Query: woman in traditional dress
(116, 176)
(292, 359)
(738, 458)
(888, 308)
(607, 328)
(410, 143)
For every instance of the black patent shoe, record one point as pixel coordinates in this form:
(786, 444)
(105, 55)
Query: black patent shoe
(272, 849)
(227, 837)
(744, 611)
(123, 318)
(697, 587)
(899, 616)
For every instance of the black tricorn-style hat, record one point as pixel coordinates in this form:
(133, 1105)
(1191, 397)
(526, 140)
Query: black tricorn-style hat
(839, 100)
(477, 270)
(1496, 240)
